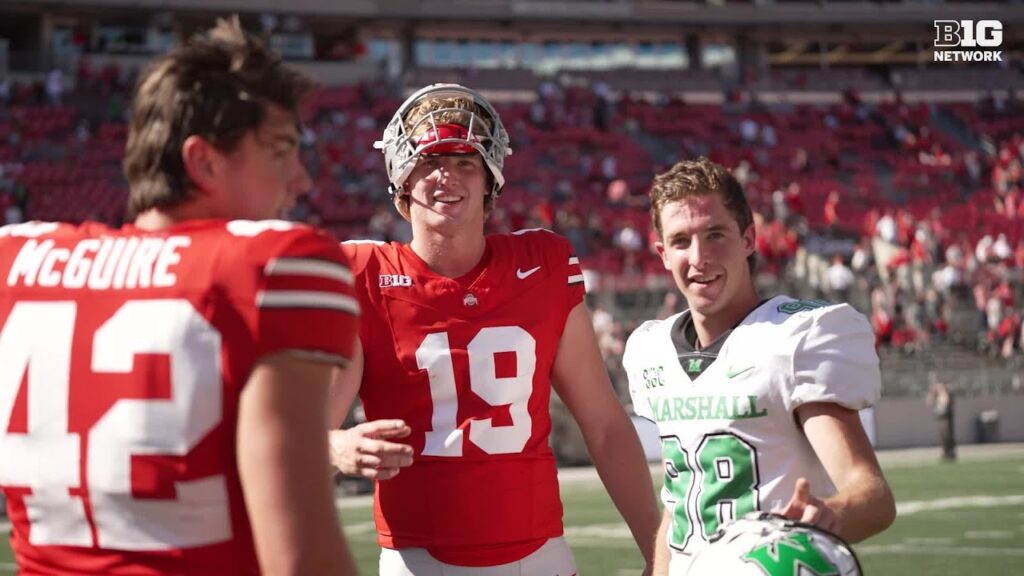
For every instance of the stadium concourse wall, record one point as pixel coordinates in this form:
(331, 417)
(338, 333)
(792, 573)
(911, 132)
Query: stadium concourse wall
(907, 422)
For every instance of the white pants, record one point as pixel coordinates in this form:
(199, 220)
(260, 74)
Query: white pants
(552, 559)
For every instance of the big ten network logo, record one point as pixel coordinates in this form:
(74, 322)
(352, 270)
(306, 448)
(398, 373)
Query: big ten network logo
(975, 40)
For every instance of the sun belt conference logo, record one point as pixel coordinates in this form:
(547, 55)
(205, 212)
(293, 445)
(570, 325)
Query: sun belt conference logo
(975, 40)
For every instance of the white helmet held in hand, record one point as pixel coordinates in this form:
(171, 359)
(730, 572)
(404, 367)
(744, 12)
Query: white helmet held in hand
(765, 544)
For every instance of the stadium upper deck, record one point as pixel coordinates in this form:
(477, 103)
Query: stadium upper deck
(547, 35)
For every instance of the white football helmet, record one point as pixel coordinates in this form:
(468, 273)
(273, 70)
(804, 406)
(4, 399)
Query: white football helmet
(401, 151)
(765, 544)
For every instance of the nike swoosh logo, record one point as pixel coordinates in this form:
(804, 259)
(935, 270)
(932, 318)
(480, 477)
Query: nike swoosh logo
(732, 372)
(524, 275)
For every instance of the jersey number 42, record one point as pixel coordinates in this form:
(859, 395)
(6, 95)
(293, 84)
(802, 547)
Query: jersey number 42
(37, 339)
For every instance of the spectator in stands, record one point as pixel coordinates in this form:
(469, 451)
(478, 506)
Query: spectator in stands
(628, 238)
(795, 206)
(570, 224)
(940, 399)
(831, 212)
(921, 249)
(799, 163)
(611, 343)
(947, 277)
(862, 261)
(1002, 252)
(1007, 334)
(780, 209)
(602, 321)
(748, 131)
(610, 167)
(972, 167)
(983, 250)
(839, 279)
(881, 318)
(12, 212)
(617, 193)
(55, 86)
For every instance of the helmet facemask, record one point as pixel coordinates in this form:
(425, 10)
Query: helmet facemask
(483, 133)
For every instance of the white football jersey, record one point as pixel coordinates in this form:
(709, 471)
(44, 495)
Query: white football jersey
(731, 441)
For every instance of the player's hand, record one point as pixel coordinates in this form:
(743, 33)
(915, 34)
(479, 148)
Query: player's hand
(806, 508)
(364, 450)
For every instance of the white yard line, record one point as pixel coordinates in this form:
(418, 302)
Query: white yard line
(916, 550)
(619, 530)
(916, 507)
(360, 528)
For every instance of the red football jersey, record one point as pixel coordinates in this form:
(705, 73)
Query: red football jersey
(122, 357)
(467, 363)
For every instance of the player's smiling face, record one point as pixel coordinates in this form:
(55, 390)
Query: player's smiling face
(448, 190)
(704, 248)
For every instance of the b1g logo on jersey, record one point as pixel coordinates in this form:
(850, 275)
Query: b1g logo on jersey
(985, 34)
(395, 281)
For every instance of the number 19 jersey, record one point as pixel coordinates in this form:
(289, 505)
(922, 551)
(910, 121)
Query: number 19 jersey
(123, 354)
(466, 363)
(731, 441)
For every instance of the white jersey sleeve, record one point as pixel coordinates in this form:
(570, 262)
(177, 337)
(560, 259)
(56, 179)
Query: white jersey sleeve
(834, 359)
(637, 345)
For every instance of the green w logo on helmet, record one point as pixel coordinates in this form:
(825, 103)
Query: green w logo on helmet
(765, 544)
(786, 556)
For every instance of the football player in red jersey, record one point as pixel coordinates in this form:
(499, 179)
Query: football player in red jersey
(162, 399)
(463, 337)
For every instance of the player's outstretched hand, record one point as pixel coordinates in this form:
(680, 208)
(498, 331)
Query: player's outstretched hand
(365, 450)
(806, 508)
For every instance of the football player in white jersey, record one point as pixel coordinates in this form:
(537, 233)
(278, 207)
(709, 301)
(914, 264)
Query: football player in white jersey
(755, 400)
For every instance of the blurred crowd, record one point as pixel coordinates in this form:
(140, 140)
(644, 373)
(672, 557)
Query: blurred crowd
(911, 212)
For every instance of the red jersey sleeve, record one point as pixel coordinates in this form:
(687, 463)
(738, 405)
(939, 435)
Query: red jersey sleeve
(557, 253)
(304, 297)
(574, 275)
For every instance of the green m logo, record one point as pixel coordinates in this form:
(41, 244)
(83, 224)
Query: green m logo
(791, 556)
(694, 365)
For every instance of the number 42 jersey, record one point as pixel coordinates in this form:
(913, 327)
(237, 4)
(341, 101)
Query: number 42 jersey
(123, 354)
(466, 363)
(731, 441)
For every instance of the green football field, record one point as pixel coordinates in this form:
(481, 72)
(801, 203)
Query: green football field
(964, 518)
